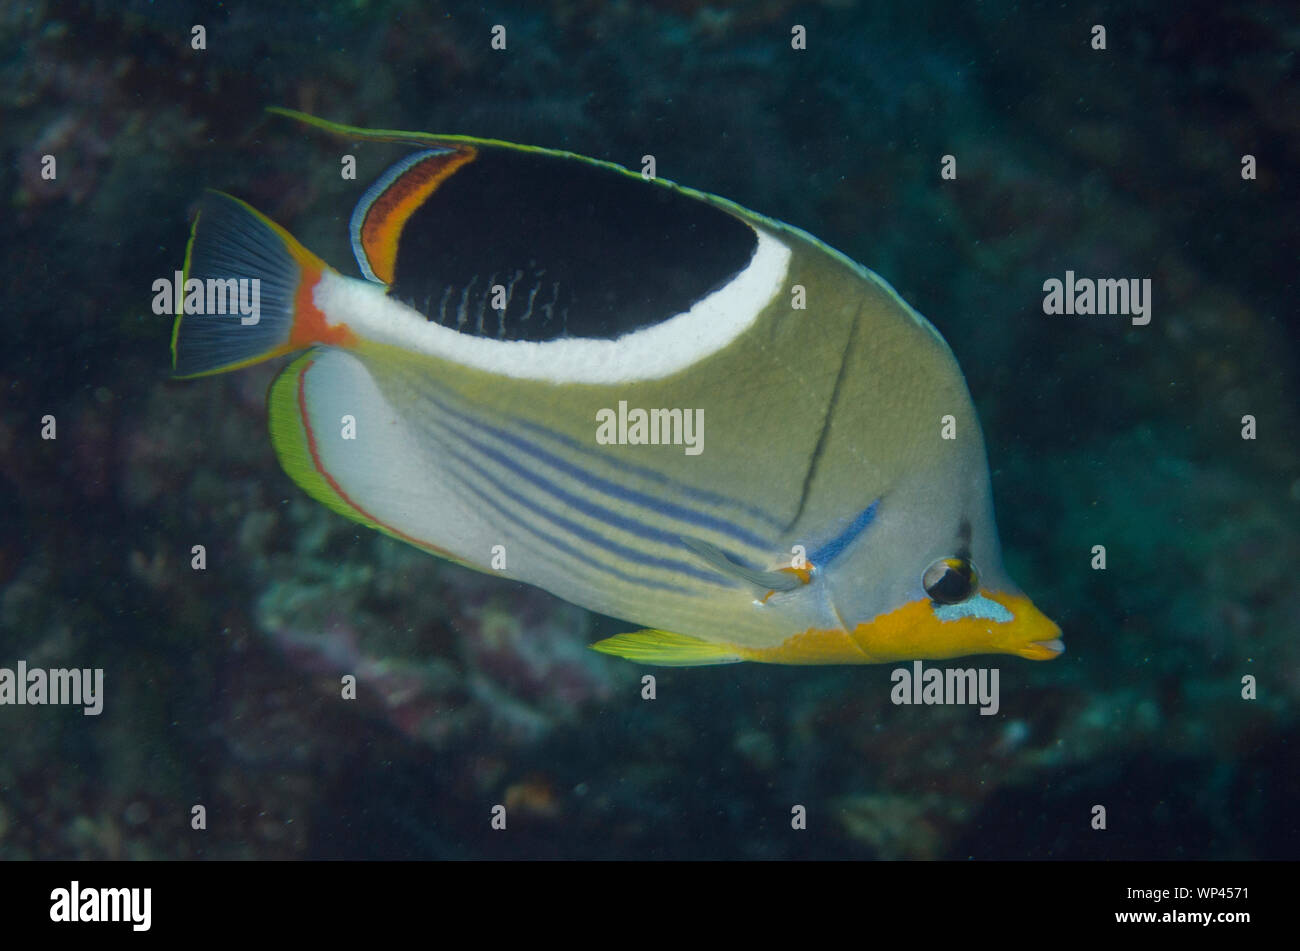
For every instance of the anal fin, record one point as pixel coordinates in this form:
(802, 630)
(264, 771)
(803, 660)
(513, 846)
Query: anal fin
(665, 649)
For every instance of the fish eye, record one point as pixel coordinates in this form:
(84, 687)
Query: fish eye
(950, 580)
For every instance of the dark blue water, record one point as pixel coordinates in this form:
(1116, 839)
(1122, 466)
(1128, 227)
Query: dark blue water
(222, 685)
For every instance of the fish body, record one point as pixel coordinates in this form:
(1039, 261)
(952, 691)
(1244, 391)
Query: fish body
(644, 399)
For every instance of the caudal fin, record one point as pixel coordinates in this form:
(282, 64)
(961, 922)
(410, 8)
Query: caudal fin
(253, 283)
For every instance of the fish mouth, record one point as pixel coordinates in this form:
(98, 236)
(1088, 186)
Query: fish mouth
(1043, 650)
(1041, 635)
(1002, 623)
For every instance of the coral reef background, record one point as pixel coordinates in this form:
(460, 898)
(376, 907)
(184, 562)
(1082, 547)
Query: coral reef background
(222, 685)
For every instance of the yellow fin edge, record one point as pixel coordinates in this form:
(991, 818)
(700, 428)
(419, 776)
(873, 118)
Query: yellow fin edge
(289, 437)
(185, 273)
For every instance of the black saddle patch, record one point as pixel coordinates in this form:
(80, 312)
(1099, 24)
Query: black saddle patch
(581, 250)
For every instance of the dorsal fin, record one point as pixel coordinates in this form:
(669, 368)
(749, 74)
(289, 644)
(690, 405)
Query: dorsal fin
(384, 210)
(423, 139)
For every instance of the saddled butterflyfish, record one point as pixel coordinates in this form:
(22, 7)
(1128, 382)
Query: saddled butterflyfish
(644, 399)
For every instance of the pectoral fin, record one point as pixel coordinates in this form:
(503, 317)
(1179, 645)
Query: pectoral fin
(770, 581)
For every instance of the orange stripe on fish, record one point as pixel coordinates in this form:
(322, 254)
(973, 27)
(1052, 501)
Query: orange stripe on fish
(803, 574)
(309, 324)
(810, 647)
(387, 214)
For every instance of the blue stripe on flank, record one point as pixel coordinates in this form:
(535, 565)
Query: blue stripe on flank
(622, 551)
(591, 509)
(828, 552)
(613, 489)
(702, 495)
(556, 543)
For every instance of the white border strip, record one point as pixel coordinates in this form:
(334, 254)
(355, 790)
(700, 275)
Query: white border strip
(648, 354)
